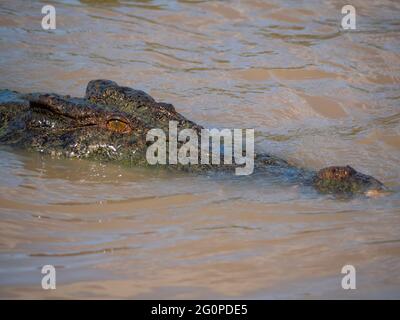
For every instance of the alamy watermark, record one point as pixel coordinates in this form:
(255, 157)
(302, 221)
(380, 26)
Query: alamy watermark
(49, 278)
(349, 280)
(49, 20)
(236, 149)
(349, 20)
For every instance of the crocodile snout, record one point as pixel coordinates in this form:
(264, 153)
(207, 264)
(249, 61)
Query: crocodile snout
(346, 180)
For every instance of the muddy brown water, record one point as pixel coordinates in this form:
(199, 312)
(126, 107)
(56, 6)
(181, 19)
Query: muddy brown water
(315, 94)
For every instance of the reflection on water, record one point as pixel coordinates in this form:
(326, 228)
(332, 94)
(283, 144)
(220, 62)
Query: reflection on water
(315, 94)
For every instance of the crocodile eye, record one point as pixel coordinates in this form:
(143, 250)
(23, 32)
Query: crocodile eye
(118, 126)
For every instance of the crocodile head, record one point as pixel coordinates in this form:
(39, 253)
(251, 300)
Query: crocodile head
(110, 123)
(346, 180)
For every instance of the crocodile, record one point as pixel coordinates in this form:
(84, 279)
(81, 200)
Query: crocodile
(110, 123)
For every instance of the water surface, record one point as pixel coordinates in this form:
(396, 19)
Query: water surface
(316, 95)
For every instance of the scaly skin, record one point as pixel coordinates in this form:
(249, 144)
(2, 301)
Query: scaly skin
(110, 124)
